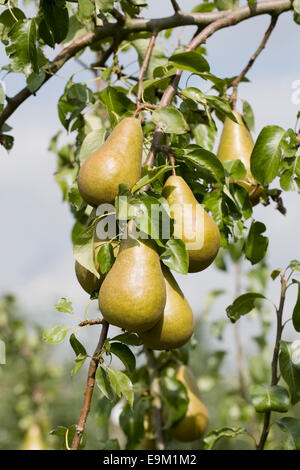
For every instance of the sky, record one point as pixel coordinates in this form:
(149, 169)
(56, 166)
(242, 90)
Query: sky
(36, 260)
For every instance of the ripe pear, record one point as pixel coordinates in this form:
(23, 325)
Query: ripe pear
(176, 326)
(34, 439)
(133, 294)
(117, 161)
(193, 224)
(88, 281)
(195, 421)
(236, 143)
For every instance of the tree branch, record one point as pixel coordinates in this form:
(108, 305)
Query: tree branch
(275, 378)
(134, 25)
(144, 68)
(156, 401)
(175, 6)
(235, 83)
(89, 388)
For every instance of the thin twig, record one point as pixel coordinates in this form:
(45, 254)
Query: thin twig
(156, 400)
(144, 106)
(235, 83)
(144, 68)
(97, 321)
(166, 149)
(275, 378)
(175, 6)
(89, 388)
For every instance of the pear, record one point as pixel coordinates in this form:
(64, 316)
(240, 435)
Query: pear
(88, 281)
(236, 143)
(177, 323)
(193, 224)
(195, 421)
(117, 161)
(133, 294)
(33, 439)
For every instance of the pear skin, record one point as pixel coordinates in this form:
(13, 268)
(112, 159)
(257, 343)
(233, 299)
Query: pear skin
(194, 424)
(33, 439)
(236, 143)
(133, 294)
(176, 326)
(193, 224)
(117, 161)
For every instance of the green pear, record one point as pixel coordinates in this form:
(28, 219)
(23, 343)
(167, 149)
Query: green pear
(236, 143)
(195, 421)
(193, 224)
(117, 161)
(88, 281)
(133, 294)
(34, 439)
(177, 323)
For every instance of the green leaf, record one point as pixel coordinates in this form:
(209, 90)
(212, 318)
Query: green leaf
(191, 61)
(228, 432)
(294, 265)
(175, 398)
(23, 50)
(207, 161)
(91, 143)
(83, 249)
(128, 338)
(248, 116)
(256, 244)
(80, 360)
(56, 17)
(68, 435)
(295, 350)
(117, 103)
(122, 385)
(85, 10)
(204, 7)
(175, 256)
(105, 5)
(106, 257)
(292, 426)
(103, 382)
(132, 422)
(8, 20)
(77, 347)
(266, 154)
(124, 354)
(220, 105)
(35, 80)
(296, 312)
(157, 55)
(56, 334)
(236, 169)
(273, 398)
(241, 197)
(289, 372)
(170, 120)
(275, 273)
(64, 306)
(152, 175)
(242, 305)
(204, 136)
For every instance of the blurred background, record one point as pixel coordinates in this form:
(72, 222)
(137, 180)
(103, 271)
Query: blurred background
(37, 264)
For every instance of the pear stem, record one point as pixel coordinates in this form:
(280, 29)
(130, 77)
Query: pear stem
(156, 400)
(144, 68)
(235, 83)
(89, 387)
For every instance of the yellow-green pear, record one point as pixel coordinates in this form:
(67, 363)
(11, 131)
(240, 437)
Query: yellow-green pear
(133, 294)
(193, 224)
(236, 143)
(195, 421)
(176, 326)
(34, 439)
(117, 161)
(88, 281)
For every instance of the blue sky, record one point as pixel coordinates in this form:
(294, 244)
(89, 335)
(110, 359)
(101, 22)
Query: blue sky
(35, 251)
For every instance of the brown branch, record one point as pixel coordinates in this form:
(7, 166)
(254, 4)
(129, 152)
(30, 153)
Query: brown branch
(144, 68)
(166, 149)
(89, 388)
(235, 83)
(144, 106)
(97, 321)
(175, 6)
(275, 378)
(156, 400)
(134, 25)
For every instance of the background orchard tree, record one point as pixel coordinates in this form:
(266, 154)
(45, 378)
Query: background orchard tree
(179, 137)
